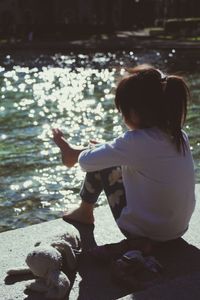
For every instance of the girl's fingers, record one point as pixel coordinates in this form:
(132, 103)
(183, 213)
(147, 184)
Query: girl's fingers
(94, 142)
(57, 132)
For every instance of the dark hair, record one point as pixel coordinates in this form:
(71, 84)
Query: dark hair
(157, 99)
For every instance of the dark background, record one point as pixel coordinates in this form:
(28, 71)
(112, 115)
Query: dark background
(66, 19)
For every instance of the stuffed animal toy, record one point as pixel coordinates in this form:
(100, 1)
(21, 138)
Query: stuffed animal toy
(47, 263)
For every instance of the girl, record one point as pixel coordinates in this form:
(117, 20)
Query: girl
(154, 198)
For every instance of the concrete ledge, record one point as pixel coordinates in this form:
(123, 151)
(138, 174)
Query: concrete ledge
(180, 280)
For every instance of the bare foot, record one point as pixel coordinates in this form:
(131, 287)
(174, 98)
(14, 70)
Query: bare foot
(82, 214)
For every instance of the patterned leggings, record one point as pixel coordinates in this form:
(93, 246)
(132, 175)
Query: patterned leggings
(109, 180)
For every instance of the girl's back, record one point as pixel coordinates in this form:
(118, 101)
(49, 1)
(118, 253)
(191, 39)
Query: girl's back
(159, 184)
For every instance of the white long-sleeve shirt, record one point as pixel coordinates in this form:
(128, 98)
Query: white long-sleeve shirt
(159, 182)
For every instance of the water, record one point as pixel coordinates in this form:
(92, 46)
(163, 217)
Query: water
(74, 93)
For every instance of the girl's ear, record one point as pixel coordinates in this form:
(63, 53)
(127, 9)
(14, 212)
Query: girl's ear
(133, 120)
(134, 117)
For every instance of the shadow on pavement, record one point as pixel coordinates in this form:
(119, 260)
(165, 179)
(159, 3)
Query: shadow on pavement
(178, 258)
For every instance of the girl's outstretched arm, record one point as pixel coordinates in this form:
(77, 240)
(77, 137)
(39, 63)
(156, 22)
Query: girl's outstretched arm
(69, 154)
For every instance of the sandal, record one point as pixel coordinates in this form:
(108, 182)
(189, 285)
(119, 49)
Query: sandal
(133, 269)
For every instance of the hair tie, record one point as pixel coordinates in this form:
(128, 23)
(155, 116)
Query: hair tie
(164, 79)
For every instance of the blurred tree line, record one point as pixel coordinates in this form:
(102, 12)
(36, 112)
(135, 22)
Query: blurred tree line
(65, 18)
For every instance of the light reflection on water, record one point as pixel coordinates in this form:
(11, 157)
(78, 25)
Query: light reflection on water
(74, 93)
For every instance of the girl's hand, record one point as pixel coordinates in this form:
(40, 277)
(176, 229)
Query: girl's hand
(94, 142)
(58, 136)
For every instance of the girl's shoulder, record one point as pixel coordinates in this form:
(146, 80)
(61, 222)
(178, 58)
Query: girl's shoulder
(152, 133)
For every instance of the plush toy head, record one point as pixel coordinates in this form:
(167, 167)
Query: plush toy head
(43, 260)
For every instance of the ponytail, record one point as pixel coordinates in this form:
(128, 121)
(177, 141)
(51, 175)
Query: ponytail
(176, 96)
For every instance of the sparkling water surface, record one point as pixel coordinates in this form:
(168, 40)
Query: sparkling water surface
(75, 93)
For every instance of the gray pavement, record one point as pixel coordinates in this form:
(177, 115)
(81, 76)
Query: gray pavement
(181, 261)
